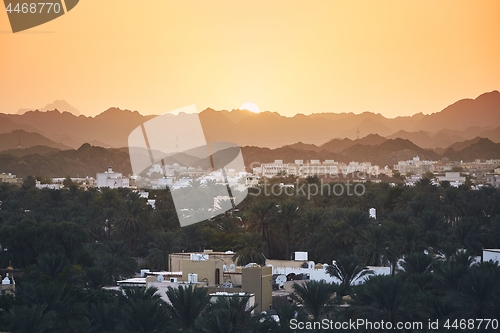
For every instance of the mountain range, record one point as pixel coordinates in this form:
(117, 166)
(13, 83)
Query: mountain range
(89, 160)
(463, 120)
(56, 144)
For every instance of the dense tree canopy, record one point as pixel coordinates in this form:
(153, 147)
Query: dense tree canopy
(80, 240)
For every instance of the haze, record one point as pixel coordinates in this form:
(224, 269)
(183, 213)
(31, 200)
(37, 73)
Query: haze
(391, 57)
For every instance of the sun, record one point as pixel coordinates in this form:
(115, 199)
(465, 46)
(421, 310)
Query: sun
(250, 107)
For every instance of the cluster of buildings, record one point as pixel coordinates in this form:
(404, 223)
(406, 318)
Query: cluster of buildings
(327, 168)
(8, 178)
(268, 286)
(264, 285)
(481, 172)
(418, 166)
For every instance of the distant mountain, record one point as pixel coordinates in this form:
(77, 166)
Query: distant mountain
(111, 128)
(458, 146)
(7, 126)
(493, 134)
(479, 148)
(59, 105)
(482, 112)
(388, 152)
(23, 139)
(40, 150)
(460, 121)
(85, 161)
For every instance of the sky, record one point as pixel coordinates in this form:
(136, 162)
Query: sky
(396, 58)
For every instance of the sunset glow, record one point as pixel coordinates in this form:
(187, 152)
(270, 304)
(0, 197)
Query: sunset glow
(391, 57)
(250, 107)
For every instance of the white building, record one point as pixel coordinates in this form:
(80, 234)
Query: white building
(112, 179)
(415, 166)
(491, 254)
(316, 168)
(453, 177)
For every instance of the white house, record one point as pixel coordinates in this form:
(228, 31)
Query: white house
(112, 179)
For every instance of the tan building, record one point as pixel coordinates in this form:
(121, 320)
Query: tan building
(257, 280)
(8, 178)
(175, 259)
(211, 267)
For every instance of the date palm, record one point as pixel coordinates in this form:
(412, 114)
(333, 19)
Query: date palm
(249, 250)
(388, 298)
(30, 318)
(186, 304)
(288, 212)
(348, 269)
(315, 296)
(162, 245)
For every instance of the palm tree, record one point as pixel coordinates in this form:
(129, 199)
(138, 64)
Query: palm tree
(187, 304)
(352, 225)
(95, 277)
(348, 269)
(478, 294)
(144, 311)
(249, 250)
(261, 216)
(30, 319)
(132, 222)
(467, 232)
(310, 221)
(288, 312)
(234, 315)
(57, 299)
(51, 265)
(388, 298)
(288, 212)
(314, 296)
(373, 246)
(103, 317)
(417, 263)
(163, 244)
(417, 269)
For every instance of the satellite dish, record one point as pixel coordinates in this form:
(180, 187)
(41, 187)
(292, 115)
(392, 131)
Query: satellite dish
(232, 268)
(280, 280)
(160, 278)
(252, 264)
(224, 268)
(311, 264)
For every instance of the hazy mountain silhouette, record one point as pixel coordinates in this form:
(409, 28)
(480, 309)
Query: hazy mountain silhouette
(460, 121)
(479, 148)
(23, 139)
(85, 161)
(59, 105)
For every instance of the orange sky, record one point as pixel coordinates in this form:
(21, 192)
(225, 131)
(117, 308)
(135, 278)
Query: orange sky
(290, 56)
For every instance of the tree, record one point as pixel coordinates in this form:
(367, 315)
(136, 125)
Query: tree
(315, 296)
(249, 250)
(159, 249)
(103, 317)
(30, 319)
(388, 298)
(351, 226)
(288, 212)
(144, 311)
(348, 269)
(234, 315)
(373, 247)
(187, 304)
(261, 216)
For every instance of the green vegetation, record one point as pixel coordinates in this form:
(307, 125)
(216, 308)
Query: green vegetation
(72, 242)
